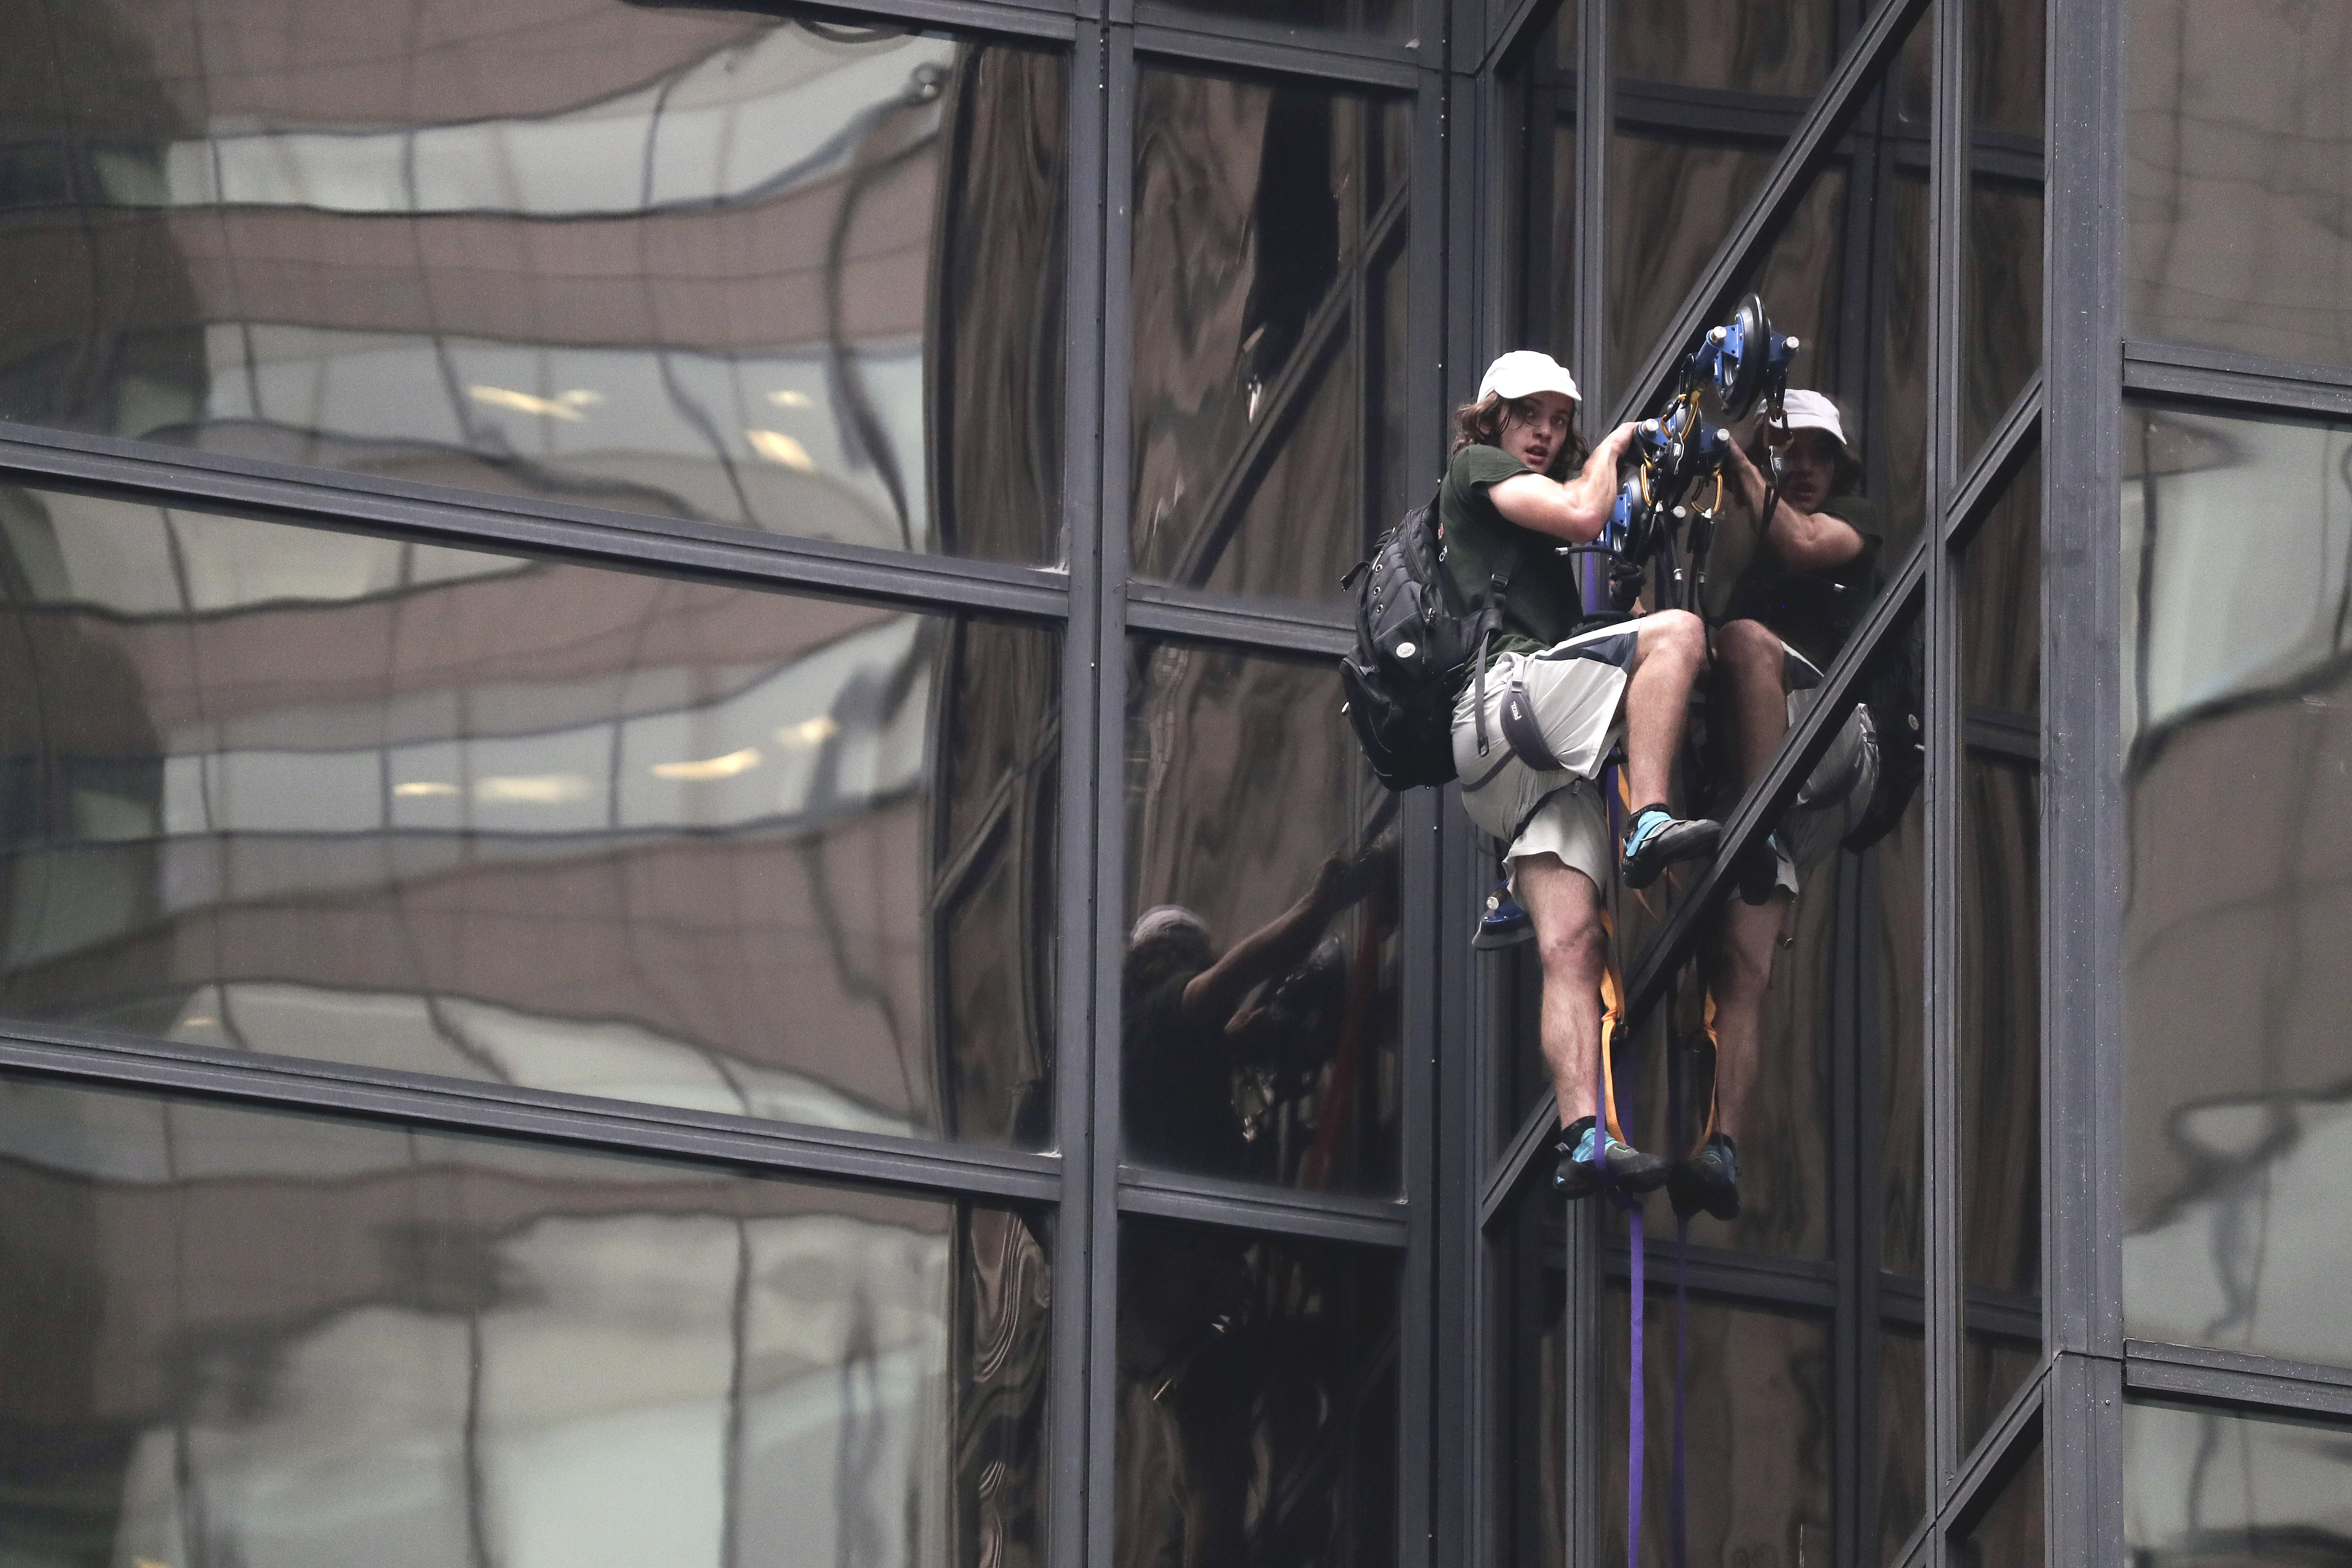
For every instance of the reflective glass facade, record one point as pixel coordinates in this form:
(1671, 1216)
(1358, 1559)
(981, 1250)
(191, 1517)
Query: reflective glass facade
(682, 879)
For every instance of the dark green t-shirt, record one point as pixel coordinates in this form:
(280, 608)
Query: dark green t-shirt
(1813, 612)
(1544, 601)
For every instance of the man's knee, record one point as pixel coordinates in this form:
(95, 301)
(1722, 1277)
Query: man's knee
(1572, 950)
(1748, 646)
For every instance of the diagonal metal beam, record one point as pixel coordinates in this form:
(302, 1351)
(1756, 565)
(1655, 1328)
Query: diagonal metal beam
(1834, 107)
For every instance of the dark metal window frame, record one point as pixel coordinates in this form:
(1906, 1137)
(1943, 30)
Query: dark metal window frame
(1089, 600)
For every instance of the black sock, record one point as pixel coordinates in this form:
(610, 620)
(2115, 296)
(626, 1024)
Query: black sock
(1725, 1139)
(1574, 1132)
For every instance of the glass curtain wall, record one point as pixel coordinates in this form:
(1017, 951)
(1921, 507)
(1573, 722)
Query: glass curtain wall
(1814, 1367)
(2235, 640)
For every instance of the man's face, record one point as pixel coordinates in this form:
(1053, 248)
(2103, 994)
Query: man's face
(1536, 441)
(1809, 465)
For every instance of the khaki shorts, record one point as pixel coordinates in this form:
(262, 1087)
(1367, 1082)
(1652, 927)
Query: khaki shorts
(1551, 718)
(1839, 790)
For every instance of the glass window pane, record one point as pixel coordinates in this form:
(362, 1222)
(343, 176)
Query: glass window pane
(2002, 282)
(1781, 48)
(1897, 935)
(1999, 992)
(1536, 234)
(260, 1338)
(2236, 180)
(1900, 1465)
(774, 271)
(1756, 1392)
(1378, 18)
(1262, 210)
(2238, 725)
(319, 795)
(1256, 1400)
(2202, 1486)
(2009, 1535)
(1259, 1000)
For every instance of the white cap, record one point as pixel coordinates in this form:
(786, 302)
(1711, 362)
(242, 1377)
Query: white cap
(1162, 919)
(1811, 411)
(1523, 373)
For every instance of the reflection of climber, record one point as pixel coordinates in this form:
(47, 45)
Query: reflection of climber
(1800, 596)
(1186, 1025)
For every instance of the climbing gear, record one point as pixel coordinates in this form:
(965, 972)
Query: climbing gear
(1414, 651)
(1582, 1153)
(1658, 838)
(1504, 922)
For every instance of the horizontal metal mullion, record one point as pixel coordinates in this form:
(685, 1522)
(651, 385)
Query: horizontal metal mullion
(1181, 613)
(2012, 441)
(1241, 47)
(2007, 1447)
(1666, 106)
(2248, 381)
(1240, 1205)
(624, 540)
(1721, 1272)
(1032, 18)
(417, 1099)
(2256, 1384)
(1873, 48)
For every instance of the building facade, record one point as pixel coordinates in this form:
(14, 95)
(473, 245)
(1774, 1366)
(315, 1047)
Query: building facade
(683, 881)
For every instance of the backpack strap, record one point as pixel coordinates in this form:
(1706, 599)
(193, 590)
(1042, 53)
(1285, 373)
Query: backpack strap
(1506, 561)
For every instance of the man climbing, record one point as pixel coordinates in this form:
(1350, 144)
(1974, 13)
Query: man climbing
(1800, 595)
(1530, 734)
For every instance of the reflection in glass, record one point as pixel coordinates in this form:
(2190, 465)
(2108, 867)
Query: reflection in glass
(1259, 984)
(1895, 921)
(778, 272)
(259, 1340)
(2204, 1487)
(1756, 1391)
(2237, 688)
(1532, 1481)
(2000, 929)
(2002, 276)
(2237, 180)
(1779, 48)
(318, 794)
(1379, 19)
(1269, 217)
(1670, 199)
(1901, 1464)
(2009, 1535)
(1537, 230)
(1257, 1392)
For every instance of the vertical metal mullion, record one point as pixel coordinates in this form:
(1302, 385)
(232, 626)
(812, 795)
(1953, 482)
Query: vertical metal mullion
(2082, 810)
(1853, 1326)
(1076, 1256)
(1421, 867)
(1942, 1079)
(1109, 797)
(1581, 1312)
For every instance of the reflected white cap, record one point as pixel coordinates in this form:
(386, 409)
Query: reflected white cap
(1161, 920)
(1523, 373)
(1811, 411)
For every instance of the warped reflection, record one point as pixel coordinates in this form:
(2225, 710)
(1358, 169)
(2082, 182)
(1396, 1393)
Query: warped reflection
(696, 264)
(317, 794)
(268, 1341)
(2238, 715)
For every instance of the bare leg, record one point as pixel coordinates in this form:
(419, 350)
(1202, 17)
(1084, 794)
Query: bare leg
(1567, 910)
(1669, 651)
(1750, 659)
(1751, 940)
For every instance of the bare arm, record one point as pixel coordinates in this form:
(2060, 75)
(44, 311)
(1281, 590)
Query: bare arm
(1275, 947)
(1574, 510)
(1808, 540)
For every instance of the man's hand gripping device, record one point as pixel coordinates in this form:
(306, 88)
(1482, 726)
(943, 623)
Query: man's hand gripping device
(1679, 458)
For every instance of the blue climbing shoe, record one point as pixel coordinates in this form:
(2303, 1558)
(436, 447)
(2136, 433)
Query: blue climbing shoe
(1504, 922)
(1708, 1182)
(1658, 838)
(1578, 1173)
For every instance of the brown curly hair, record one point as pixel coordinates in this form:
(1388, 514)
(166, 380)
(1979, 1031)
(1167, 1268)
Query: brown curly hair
(1481, 424)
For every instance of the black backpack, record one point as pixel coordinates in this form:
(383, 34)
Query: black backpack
(1414, 651)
